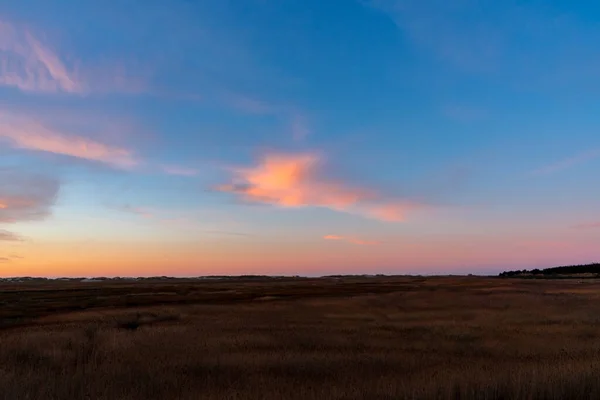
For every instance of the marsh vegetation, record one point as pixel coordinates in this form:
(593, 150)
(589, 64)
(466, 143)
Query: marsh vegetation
(334, 338)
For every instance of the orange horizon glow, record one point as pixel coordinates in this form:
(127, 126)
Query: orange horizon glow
(398, 256)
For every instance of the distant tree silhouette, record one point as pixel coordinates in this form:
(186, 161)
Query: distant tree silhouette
(593, 268)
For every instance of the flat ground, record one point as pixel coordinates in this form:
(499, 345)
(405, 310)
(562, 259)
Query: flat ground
(346, 338)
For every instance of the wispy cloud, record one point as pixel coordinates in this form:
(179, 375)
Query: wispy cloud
(29, 64)
(463, 113)
(26, 133)
(26, 197)
(505, 39)
(127, 208)
(299, 126)
(229, 233)
(9, 236)
(588, 225)
(248, 104)
(352, 240)
(393, 212)
(295, 180)
(445, 29)
(11, 257)
(568, 162)
(544, 244)
(164, 218)
(296, 121)
(178, 170)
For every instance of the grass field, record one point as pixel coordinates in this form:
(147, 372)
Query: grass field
(343, 338)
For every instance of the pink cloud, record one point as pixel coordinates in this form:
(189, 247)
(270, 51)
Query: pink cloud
(352, 240)
(177, 170)
(24, 133)
(293, 180)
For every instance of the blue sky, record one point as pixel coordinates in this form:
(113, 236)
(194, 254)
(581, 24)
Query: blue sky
(300, 137)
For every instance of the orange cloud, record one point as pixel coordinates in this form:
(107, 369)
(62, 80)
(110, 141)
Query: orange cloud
(352, 240)
(31, 135)
(293, 180)
(333, 237)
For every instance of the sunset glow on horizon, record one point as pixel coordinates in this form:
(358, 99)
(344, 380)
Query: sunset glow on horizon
(299, 138)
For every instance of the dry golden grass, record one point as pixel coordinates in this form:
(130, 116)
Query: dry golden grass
(355, 338)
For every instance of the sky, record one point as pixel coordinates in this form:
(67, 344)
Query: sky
(297, 137)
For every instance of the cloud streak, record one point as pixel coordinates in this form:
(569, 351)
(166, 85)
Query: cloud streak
(29, 134)
(295, 180)
(352, 240)
(568, 162)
